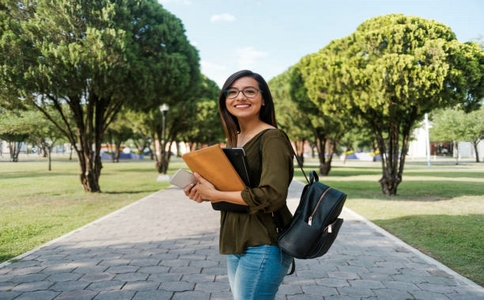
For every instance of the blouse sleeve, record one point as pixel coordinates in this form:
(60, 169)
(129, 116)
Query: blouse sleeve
(277, 171)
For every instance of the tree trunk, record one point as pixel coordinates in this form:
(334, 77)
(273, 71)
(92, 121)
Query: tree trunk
(14, 150)
(117, 151)
(90, 182)
(389, 158)
(456, 152)
(390, 179)
(476, 150)
(325, 161)
(389, 185)
(393, 158)
(300, 151)
(164, 161)
(162, 164)
(90, 135)
(89, 174)
(321, 146)
(49, 157)
(325, 168)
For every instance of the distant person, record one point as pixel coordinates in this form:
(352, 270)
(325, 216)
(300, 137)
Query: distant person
(256, 265)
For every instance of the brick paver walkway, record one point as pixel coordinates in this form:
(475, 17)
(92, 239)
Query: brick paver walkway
(166, 247)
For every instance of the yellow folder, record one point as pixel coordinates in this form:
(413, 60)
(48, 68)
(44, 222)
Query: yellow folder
(212, 164)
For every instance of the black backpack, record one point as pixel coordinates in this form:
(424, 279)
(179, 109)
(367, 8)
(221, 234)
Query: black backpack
(316, 223)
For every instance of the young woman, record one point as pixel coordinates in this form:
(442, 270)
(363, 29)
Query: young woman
(256, 265)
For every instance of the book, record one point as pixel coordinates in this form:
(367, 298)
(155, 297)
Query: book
(213, 164)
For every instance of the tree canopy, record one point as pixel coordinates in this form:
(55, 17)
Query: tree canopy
(401, 67)
(296, 123)
(318, 93)
(387, 74)
(456, 125)
(89, 59)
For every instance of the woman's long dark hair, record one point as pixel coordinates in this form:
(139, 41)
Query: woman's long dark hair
(229, 122)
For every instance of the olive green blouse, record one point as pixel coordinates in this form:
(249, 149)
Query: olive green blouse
(270, 159)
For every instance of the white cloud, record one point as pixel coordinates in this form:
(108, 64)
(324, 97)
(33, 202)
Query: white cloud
(248, 57)
(222, 17)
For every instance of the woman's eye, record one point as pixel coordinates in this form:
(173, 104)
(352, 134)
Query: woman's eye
(250, 92)
(232, 93)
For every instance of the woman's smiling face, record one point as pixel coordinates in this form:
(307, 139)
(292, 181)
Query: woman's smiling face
(241, 106)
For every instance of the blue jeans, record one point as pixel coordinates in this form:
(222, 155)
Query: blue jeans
(258, 273)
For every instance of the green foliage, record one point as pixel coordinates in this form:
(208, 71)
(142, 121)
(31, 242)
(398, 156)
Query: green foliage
(295, 122)
(448, 125)
(456, 125)
(118, 132)
(319, 92)
(94, 58)
(198, 120)
(390, 72)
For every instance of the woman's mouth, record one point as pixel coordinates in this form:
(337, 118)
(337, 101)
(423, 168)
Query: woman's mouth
(242, 106)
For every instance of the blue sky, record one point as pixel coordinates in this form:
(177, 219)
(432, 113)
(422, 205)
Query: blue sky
(269, 36)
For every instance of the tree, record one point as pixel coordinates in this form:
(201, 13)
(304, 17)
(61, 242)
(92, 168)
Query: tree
(316, 88)
(118, 132)
(397, 69)
(476, 129)
(359, 138)
(456, 125)
(192, 118)
(199, 121)
(88, 59)
(42, 132)
(13, 131)
(21, 126)
(294, 122)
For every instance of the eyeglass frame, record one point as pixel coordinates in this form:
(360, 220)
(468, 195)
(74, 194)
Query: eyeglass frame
(243, 93)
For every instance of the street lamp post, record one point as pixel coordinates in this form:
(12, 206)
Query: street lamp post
(164, 109)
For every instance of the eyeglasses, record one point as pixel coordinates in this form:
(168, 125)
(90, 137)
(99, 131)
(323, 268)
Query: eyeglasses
(249, 92)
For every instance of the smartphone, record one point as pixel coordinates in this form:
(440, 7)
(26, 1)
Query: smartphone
(182, 178)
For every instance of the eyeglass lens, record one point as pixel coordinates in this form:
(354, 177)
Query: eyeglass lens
(248, 92)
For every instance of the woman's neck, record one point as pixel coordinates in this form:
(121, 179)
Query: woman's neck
(248, 131)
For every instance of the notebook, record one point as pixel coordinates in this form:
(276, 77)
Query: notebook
(213, 164)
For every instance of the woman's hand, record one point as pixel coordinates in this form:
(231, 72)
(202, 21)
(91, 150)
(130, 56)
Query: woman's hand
(192, 193)
(200, 191)
(205, 188)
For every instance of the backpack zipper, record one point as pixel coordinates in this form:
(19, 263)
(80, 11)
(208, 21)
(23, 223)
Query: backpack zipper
(310, 220)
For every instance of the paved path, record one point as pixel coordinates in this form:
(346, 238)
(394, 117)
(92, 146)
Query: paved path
(166, 247)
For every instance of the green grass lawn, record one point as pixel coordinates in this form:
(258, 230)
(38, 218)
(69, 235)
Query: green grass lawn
(37, 206)
(438, 210)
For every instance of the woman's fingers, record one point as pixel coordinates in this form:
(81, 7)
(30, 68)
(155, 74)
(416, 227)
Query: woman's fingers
(188, 189)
